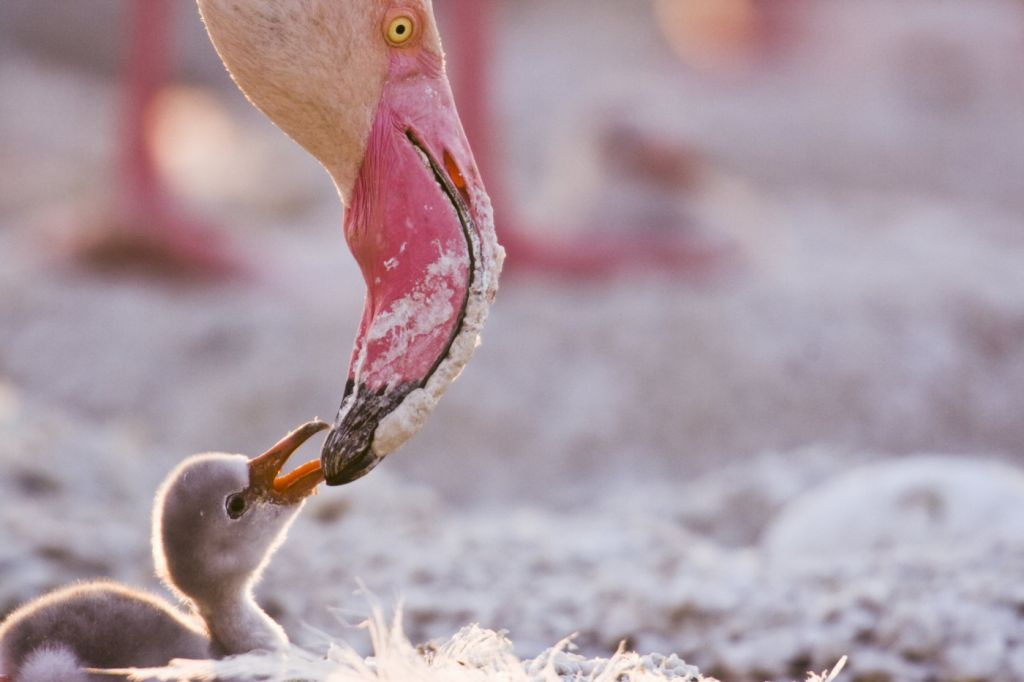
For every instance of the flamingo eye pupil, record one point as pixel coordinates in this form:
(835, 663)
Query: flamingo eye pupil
(399, 30)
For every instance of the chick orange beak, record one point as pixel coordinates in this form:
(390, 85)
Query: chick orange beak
(292, 487)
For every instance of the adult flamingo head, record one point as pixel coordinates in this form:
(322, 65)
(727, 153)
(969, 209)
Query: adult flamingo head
(361, 85)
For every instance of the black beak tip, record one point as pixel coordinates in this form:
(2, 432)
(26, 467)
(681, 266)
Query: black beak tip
(344, 461)
(351, 471)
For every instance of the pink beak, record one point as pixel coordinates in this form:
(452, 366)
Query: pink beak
(413, 224)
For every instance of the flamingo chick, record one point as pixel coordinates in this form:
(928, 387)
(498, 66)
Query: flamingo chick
(361, 85)
(217, 519)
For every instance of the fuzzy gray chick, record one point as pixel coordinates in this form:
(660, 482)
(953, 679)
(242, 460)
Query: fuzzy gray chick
(217, 520)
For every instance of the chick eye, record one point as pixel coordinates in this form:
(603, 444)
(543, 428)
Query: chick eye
(235, 505)
(399, 30)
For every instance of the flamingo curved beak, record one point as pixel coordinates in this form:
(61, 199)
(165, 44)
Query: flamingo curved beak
(417, 224)
(292, 487)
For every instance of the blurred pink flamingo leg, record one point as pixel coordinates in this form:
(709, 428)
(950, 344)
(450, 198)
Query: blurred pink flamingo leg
(147, 229)
(471, 30)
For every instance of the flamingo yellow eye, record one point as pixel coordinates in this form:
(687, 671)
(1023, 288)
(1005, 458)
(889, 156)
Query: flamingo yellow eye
(400, 30)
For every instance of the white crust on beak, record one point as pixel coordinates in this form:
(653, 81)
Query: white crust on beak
(402, 423)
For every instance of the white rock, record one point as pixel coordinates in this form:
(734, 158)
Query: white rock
(909, 504)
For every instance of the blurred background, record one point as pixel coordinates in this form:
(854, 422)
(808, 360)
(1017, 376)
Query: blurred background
(753, 244)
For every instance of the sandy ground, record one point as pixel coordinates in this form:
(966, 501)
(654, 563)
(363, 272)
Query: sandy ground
(623, 455)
